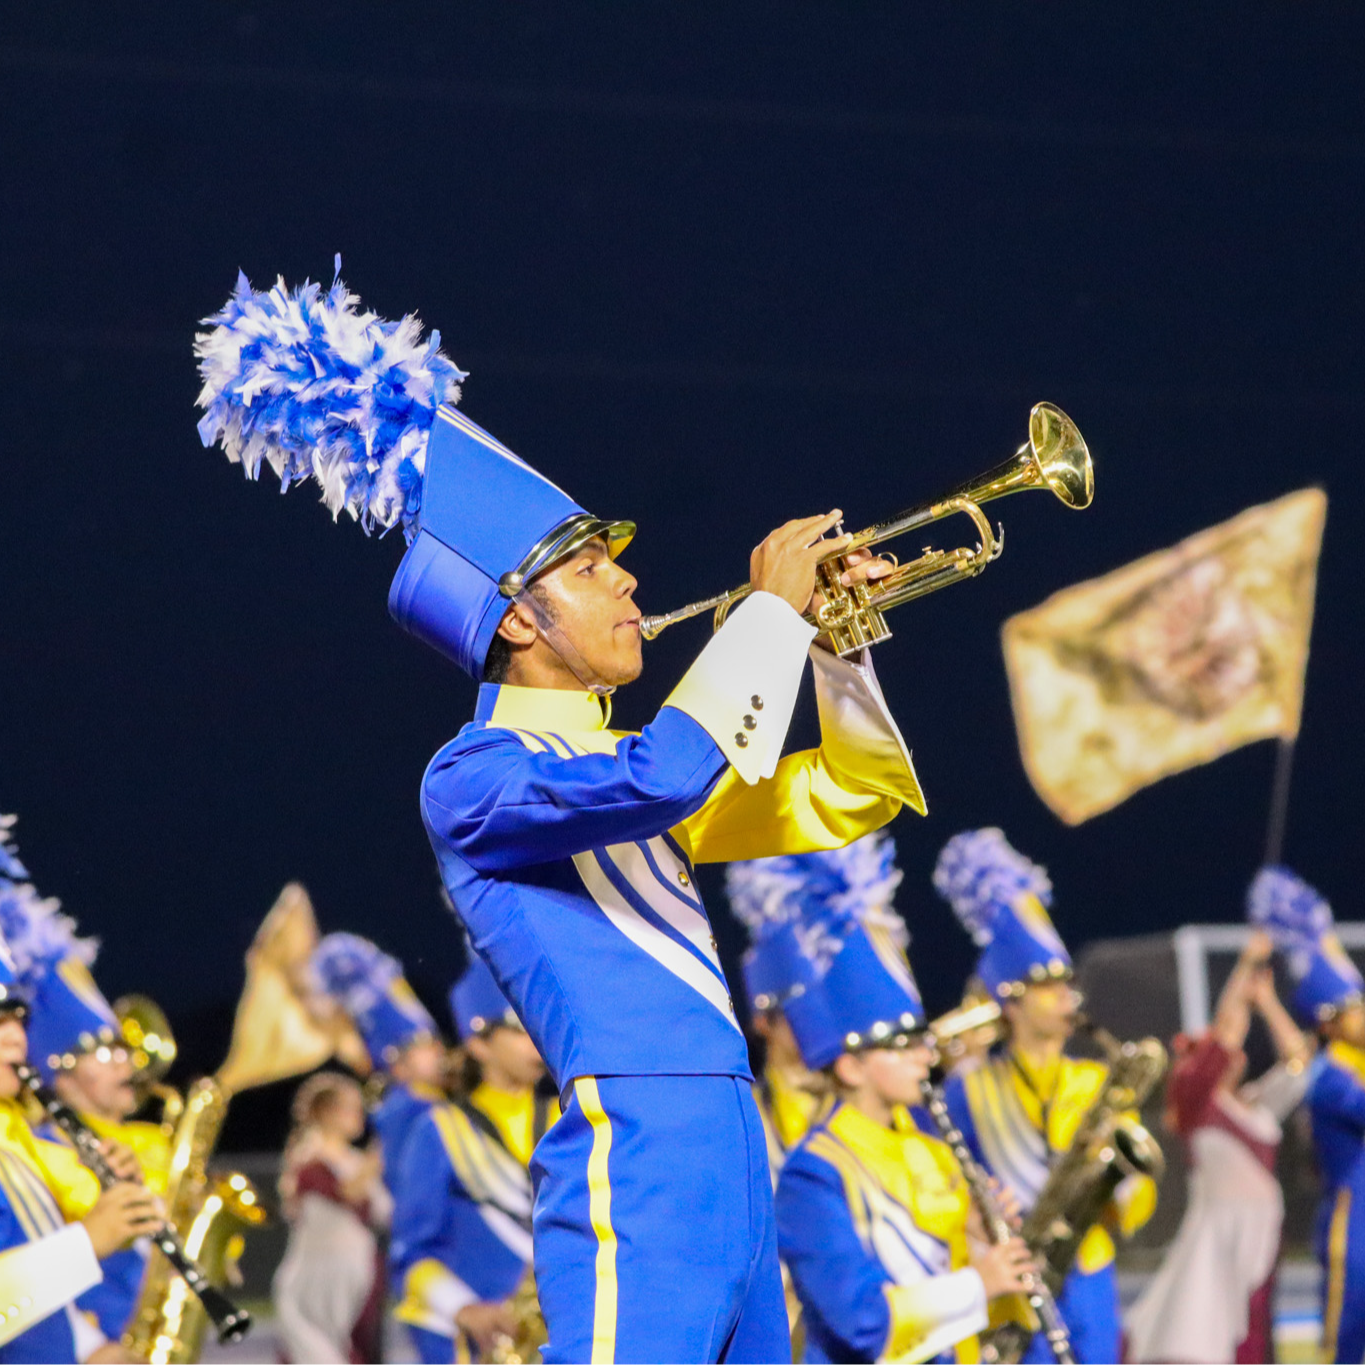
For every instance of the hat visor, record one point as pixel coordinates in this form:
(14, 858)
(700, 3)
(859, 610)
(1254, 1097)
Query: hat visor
(571, 536)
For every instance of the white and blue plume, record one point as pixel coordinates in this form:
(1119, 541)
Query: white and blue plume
(354, 972)
(11, 868)
(1292, 912)
(39, 936)
(307, 383)
(979, 874)
(826, 895)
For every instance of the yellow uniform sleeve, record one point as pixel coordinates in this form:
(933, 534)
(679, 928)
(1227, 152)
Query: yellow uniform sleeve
(937, 1313)
(73, 1186)
(38, 1278)
(854, 783)
(433, 1296)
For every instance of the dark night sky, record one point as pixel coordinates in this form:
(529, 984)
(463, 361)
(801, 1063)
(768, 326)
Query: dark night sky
(711, 266)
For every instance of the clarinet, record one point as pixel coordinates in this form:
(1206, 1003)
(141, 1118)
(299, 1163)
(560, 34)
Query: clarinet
(998, 1228)
(231, 1323)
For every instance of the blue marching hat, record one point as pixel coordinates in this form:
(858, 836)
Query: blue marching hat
(476, 1003)
(1002, 898)
(68, 1014)
(318, 389)
(856, 986)
(369, 985)
(1300, 921)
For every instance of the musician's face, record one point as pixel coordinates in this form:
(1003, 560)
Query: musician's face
(591, 601)
(1350, 1024)
(101, 1082)
(422, 1062)
(896, 1074)
(508, 1057)
(1047, 1009)
(13, 1050)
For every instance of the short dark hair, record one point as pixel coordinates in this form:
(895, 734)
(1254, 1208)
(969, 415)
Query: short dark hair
(499, 657)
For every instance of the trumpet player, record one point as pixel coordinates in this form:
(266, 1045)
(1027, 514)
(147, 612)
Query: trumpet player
(1330, 998)
(1022, 1106)
(872, 1214)
(401, 1037)
(568, 848)
(462, 1226)
(56, 1227)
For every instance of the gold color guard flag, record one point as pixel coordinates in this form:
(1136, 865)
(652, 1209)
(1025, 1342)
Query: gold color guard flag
(1168, 662)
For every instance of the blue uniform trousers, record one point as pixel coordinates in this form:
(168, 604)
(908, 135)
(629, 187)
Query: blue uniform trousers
(654, 1234)
(1340, 1243)
(1089, 1306)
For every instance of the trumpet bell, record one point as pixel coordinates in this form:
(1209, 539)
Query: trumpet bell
(1061, 455)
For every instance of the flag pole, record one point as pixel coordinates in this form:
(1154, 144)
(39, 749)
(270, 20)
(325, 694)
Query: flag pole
(1279, 801)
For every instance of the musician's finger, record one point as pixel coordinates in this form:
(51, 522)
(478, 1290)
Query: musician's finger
(806, 531)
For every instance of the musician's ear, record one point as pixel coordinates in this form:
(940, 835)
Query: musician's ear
(849, 1071)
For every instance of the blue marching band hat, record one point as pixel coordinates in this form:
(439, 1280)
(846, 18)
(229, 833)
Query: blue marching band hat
(476, 1003)
(369, 985)
(1002, 898)
(1300, 921)
(312, 386)
(49, 967)
(828, 947)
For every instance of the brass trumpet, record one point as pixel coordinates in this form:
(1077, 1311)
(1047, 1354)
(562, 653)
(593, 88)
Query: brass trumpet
(1054, 457)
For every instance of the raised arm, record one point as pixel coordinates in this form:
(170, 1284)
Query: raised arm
(502, 802)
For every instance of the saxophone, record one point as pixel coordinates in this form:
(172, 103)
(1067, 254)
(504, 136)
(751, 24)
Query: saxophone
(1108, 1147)
(275, 1035)
(524, 1345)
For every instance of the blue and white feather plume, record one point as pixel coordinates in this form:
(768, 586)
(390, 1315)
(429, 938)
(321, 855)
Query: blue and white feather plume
(11, 868)
(354, 972)
(1295, 915)
(823, 895)
(309, 384)
(39, 936)
(980, 875)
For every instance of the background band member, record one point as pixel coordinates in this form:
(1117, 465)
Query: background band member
(462, 1228)
(399, 1034)
(329, 1288)
(1328, 998)
(872, 1214)
(47, 1256)
(567, 848)
(75, 1043)
(1022, 1106)
(1211, 1299)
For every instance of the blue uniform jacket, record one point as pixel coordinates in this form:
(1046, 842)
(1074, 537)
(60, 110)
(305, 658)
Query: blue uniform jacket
(568, 848)
(393, 1120)
(461, 1220)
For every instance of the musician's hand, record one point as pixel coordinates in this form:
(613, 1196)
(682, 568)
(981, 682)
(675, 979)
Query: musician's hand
(1007, 1202)
(111, 1353)
(862, 567)
(486, 1322)
(122, 1161)
(784, 564)
(1004, 1269)
(124, 1212)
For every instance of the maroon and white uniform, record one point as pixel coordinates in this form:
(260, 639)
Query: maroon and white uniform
(1211, 1298)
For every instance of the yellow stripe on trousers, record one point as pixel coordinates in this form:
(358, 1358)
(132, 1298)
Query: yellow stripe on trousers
(599, 1210)
(1336, 1273)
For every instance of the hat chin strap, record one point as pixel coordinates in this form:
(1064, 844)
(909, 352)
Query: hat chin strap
(563, 647)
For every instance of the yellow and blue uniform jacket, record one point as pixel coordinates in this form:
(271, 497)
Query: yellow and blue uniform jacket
(112, 1301)
(399, 1110)
(462, 1215)
(1018, 1118)
(568, 848)
(42, 1187)
(872, 1224)
(1336, 1104)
